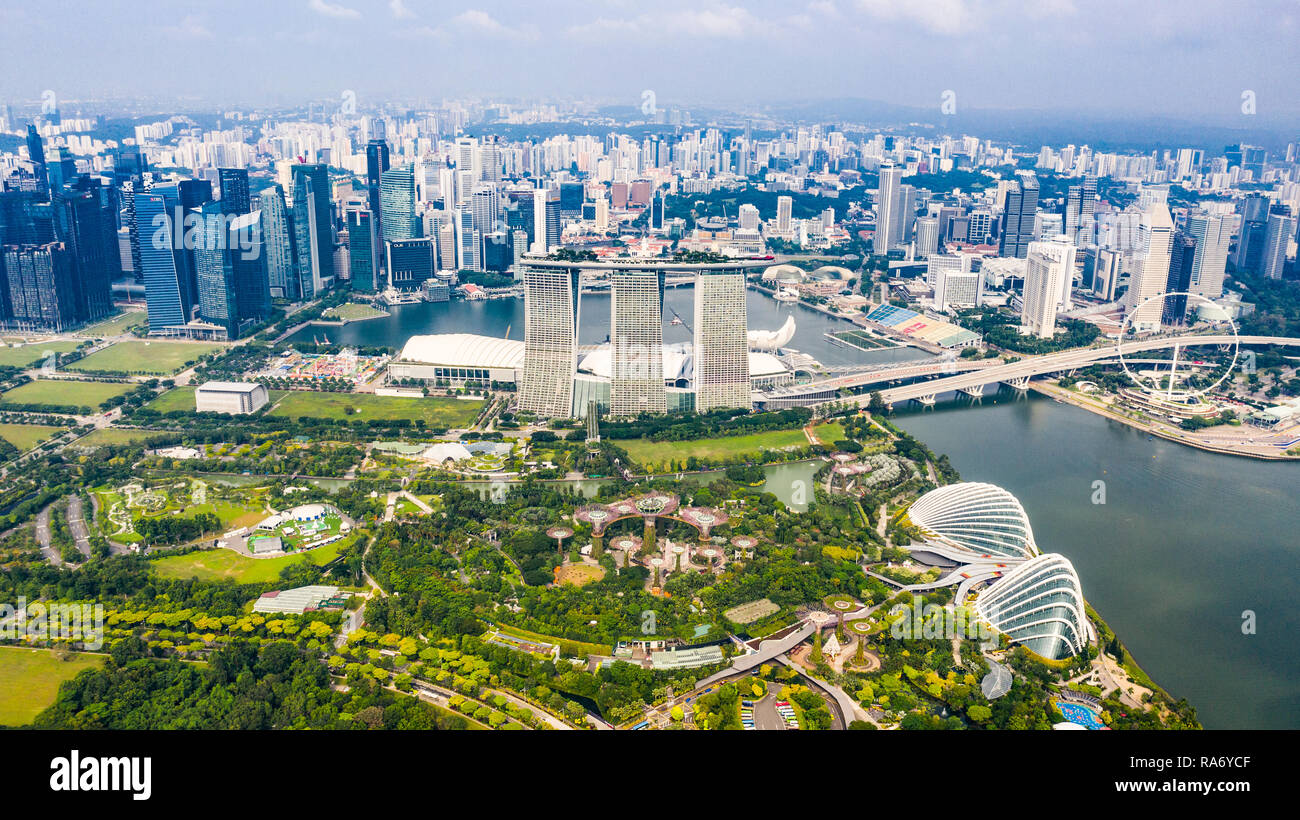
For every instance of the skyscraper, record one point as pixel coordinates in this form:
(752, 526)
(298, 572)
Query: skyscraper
(1078, 218)
(889, 209)
(61, 170)
(193, 195)
(168, 295)
(637, 342)
(86, 228)
(36, 153)
(784, 214)
(215, 270)
(278, 242)
(550, 339)
(363, 250)
(1106, 271)
(234, 190)
(1018, 216)
(1155, 241)
(540, 243)
(721, 343)
(247, 244)
(39, 287)
(1250, 239)
(397, 203)
(376, 165)
(1182, 255)
(927, 236)
(486, 206)
(1277, 235)
(410, 262)
(1049, 266)
(314, 233)
(1213, 235)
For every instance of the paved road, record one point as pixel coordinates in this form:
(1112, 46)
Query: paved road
(351, 624)
(766, 718)
(77, 525)
(43, 538)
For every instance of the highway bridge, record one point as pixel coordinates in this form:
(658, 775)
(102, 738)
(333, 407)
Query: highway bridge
(1018, 373)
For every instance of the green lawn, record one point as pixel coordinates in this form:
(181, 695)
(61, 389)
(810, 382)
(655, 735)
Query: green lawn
(148, 358)
(32, 353)
(30, 678)
(65, 393)
(27, 436)
(180, 398)
(232, 515)
(829, 433)
(438, 411)
(223, 564)
(352, 311)
(116, 325)
(115, 435)
(657, 455)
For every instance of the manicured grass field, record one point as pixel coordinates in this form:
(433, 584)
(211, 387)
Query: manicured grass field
(27, 436)
(116, 325)
(829, 433)
(353, 311)
(179, 398)
(65, 393)
(658, 455)
(33, 353)
(30, 678)
(115, 435)
(149, 358)
(438, 411)
(232, 515)
(223, 564)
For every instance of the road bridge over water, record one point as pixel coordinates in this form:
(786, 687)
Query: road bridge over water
(972, 375)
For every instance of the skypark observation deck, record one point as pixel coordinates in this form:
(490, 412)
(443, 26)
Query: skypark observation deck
(972, 376)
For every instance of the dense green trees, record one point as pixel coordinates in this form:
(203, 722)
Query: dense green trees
(277, 685)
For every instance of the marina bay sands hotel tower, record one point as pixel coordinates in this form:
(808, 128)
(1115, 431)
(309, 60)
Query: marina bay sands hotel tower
(637, 382)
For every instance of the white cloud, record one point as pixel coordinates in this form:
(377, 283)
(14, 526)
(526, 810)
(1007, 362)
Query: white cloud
(715, 22)
(950, 17)
(936, 16)
(333, 10)
(478, 21)
(189, 28)
(826, 8)
(472, 22)
(399, 10)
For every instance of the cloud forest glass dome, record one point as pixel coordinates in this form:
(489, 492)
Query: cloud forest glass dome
(982, 518)
(1039, 604)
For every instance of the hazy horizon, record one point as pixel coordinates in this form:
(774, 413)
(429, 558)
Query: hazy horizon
(1181, 61)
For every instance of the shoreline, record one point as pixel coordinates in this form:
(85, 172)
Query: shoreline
(1061, 394)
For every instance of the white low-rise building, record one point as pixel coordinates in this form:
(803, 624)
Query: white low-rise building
(230, 397)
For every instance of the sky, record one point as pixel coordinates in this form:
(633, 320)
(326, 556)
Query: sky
(1185, 59)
